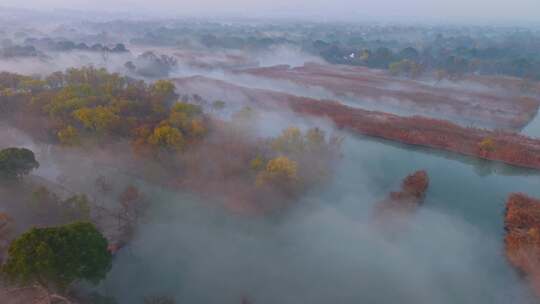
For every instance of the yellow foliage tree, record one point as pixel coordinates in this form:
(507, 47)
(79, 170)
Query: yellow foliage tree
(487, 145)
(186, 117)
(167, 137)
(179, 120)
(290, 141)
(68, 136)
(100, 119)
(279, 171)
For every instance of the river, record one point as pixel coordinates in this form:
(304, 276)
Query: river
(327, 249)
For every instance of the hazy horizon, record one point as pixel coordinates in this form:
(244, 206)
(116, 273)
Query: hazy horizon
(414, 10)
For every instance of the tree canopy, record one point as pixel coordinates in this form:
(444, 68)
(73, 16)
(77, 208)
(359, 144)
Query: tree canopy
(280, 171)
(83, 106)
(58, 256)
(16, 162)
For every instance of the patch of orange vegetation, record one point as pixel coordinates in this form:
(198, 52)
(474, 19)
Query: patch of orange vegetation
(522, 241)
(510, 148)
(411, 195)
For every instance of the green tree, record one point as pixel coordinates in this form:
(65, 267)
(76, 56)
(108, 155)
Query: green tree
(16, 162)
(56, 257)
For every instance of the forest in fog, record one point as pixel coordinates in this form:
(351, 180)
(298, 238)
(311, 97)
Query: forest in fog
(155, 157)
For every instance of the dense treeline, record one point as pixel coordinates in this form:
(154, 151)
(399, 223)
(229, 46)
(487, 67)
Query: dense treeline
(82, 104)
(32, 47)
(68, 45)
(14, 51)
(90, 107)
(452, 57)
(405, 50)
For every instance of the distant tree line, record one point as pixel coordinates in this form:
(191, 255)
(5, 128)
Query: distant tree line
(68, 45)
(14, 51)
(452, 61)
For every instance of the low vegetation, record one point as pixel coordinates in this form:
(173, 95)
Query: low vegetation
(522, 240)
(407, 199)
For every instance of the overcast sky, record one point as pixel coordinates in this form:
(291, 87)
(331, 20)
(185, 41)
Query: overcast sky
(512, 10)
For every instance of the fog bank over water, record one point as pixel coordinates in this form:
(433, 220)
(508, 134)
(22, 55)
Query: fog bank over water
(327, 248)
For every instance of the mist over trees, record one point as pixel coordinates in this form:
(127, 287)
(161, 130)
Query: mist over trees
(251, 160)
